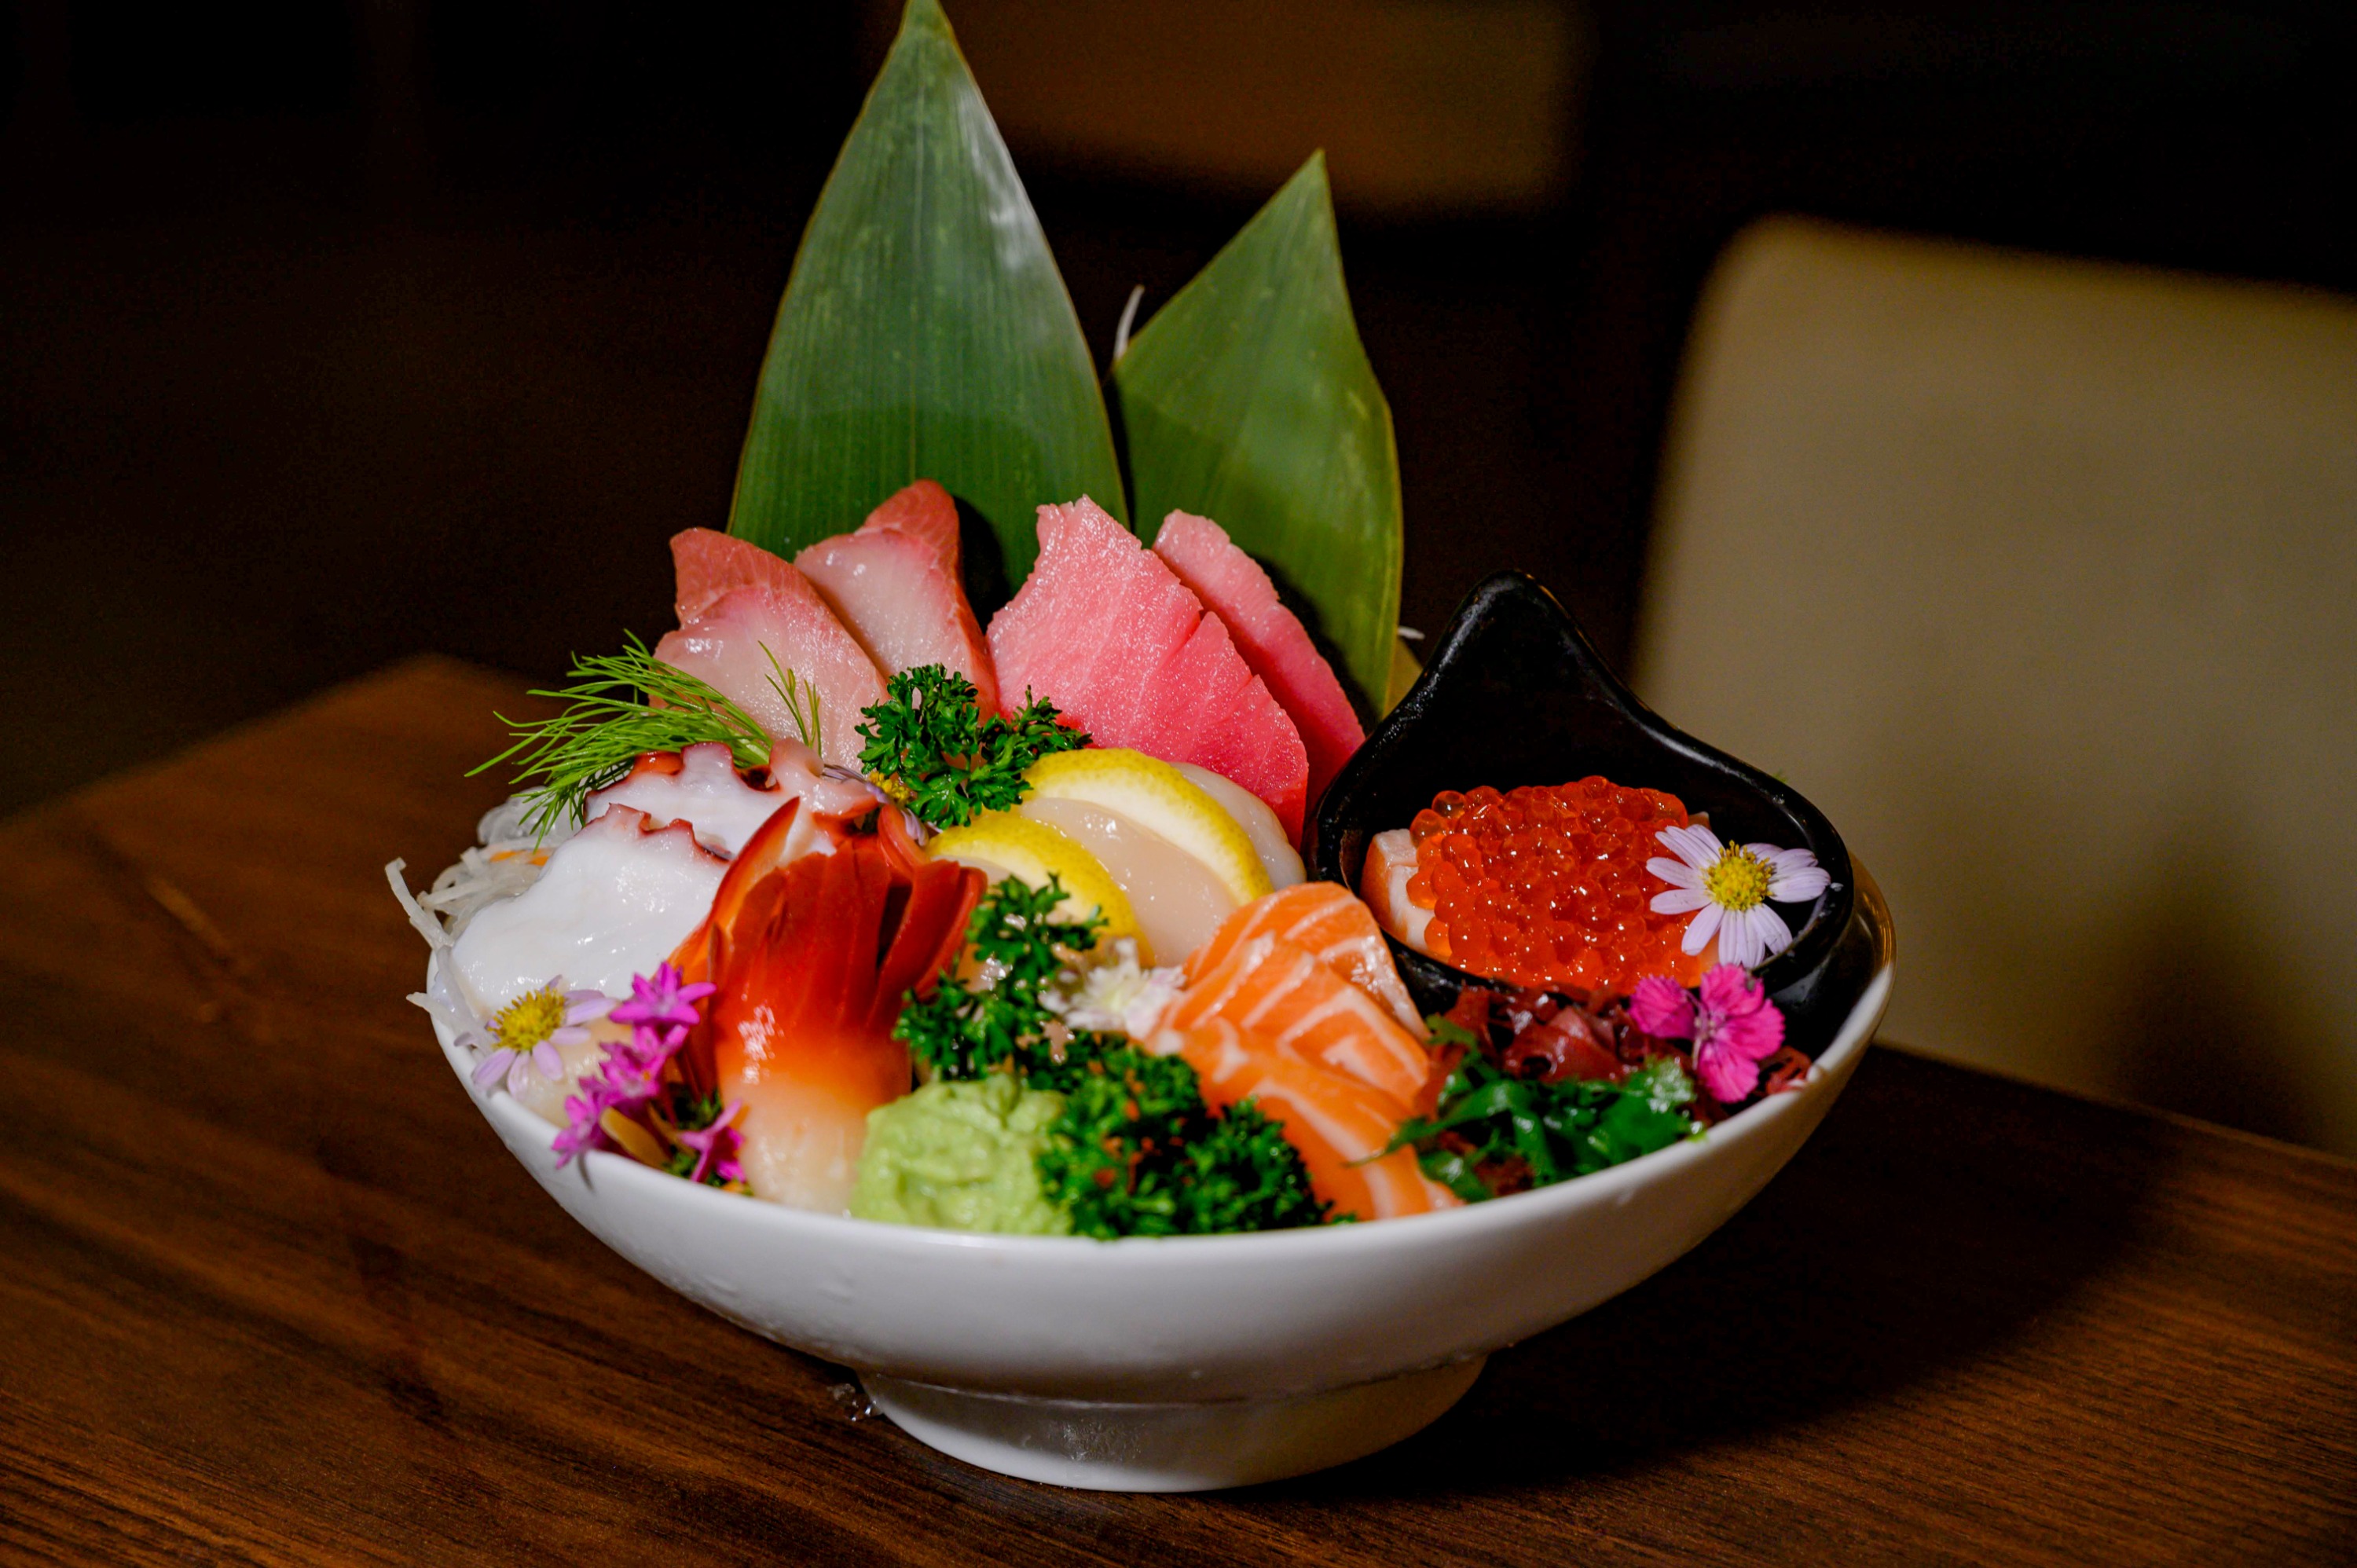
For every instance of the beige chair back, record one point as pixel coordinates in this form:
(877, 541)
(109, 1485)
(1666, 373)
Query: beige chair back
(2040, 577)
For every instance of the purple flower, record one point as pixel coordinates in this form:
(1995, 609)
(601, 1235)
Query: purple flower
(1732, 1024)
(663, 999)
(581, 1131)
(715, 1146)
(628, 1078)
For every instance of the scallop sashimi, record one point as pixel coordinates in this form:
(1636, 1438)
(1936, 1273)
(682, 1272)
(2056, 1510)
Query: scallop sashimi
(1235, 587)
(1325, 918)
(612, 901)
(1104, 630)
(743, 641)
(1287, 996)
(812, 964)
(904, 604)
(1339, 1125)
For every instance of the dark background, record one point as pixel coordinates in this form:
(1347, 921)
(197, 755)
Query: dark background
(331, 333)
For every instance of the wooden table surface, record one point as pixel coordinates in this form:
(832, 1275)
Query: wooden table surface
(271, 1292)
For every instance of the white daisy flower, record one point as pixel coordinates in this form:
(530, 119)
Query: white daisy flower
(1730, 886)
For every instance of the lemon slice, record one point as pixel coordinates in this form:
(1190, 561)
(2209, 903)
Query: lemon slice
(1160, 798)
(1001, 844)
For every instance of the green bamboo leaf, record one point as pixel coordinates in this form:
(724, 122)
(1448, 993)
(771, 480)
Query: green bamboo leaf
(1248, 399)
(925, 332)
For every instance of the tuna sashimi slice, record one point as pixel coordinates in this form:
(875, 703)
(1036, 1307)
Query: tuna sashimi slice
(902, 603)
(923, 511)
(1232, 587)
(731, 644)
(1104, 630)
(710, 565)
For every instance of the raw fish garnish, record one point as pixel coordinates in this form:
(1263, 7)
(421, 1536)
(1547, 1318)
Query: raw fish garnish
(1732, 1024)
(932, 749)
(620, 708)
(529, 1030)
(1494, 1133)
(1545, 1086)
(1135, 1151)
(1728, 886)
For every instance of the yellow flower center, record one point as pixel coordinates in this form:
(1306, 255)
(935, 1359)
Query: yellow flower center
(529, 1019)
(1738, 880)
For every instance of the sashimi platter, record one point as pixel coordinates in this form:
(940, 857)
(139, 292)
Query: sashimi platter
(1019, 854)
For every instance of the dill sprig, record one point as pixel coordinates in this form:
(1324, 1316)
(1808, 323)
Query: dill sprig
(930, 744)
(620, 708)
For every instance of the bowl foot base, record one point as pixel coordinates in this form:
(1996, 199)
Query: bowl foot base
(1113, 1447)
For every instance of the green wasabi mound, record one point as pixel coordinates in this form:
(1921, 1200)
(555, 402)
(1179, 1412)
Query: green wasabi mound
(961, 1157)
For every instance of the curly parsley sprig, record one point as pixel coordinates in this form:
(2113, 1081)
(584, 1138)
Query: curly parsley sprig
(1135, 1151)
(930, 745)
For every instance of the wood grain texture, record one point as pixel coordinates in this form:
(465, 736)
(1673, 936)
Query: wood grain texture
(272, 1293)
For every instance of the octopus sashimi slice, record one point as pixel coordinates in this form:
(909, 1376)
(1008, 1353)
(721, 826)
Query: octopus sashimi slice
(612, 902)
(1338, 1124)
(1284, 996)
(1324, 918)
(702, 786)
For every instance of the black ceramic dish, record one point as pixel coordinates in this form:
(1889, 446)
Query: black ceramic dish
(1515, 695)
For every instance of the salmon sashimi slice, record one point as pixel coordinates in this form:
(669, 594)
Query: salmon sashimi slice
(1338, 1124)
(902, 603)
(710, 565)
(739, 642)
(1324, 918)
(925, 512)
(1236, 588)
(812, 966)
(1283, 995)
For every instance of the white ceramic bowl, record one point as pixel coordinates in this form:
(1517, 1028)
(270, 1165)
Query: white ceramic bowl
(1189, 1363)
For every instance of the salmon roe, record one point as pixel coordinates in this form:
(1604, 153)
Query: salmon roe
(1546, 886)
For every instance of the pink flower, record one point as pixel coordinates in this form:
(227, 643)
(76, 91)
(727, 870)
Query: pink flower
(581, 1131)
(663, 999)
(715, 1146)
(1732, 1024)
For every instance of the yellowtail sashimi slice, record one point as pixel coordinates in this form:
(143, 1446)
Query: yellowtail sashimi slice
(903, 603)
(739, 641)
